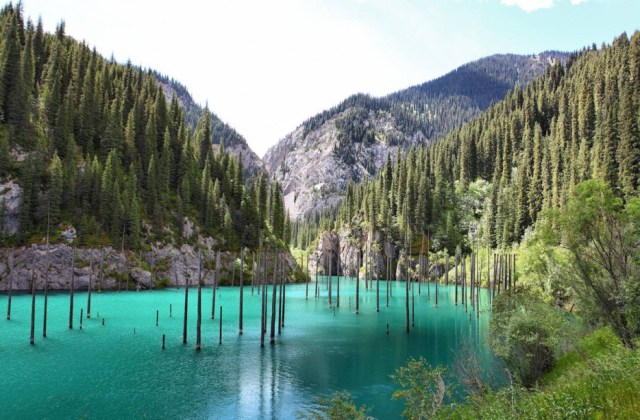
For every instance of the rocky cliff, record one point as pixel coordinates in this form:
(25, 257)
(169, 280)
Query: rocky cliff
(351, 141)
(109, 269)
(312, 170)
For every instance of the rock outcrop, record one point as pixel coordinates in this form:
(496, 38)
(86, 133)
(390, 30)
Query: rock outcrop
(10, 197)
(109, 269)
(350, 250)
(313, 173)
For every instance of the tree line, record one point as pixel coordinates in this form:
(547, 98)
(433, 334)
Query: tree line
(488, 181)
(97, 145)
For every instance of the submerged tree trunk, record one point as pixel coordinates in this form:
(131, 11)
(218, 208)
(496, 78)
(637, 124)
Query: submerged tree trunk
(13, 256)
(73, 269)
(358, 283)
(281, 285)
(377, 293)
(455, 262)
(89, 290)
(284, 288)
(199, 318)
(240, 327)
(306, 291)
(263, 302)
(272, 336)
(216, 280)
(338, 282)
(220, 339)
(33, 308)
(330, 273)
(46, 301)
(101, 271)
(408, 327)
(317, 286)
(388, 278)
(186, 310)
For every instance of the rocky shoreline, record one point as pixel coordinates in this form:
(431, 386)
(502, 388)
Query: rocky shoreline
(110, 269)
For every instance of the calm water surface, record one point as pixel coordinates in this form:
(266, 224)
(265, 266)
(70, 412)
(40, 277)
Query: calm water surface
(120, 371)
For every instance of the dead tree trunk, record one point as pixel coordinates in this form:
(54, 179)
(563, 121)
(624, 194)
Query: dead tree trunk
(33, 308)
(263, 307)
(216, 280)
(408, 327)
(284, 287)
(306, 291)
(358, 283)
(73, 269)
(89, 291)
(199, 317)
(455, 261)
(186, 310)
(272, 336)
(281, 285)
(13, 256)
(240, 326)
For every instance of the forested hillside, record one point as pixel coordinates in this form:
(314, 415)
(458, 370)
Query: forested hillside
(90, 143)
(488, 181)
(351, 141)
(221, 132)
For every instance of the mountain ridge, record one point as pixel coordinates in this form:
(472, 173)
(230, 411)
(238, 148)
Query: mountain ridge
(350, 141)
(221, 132)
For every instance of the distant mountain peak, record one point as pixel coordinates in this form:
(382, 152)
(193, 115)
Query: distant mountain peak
(351, 141)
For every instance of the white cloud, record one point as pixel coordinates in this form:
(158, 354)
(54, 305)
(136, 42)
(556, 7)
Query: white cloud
(577, 2)
(532, 5)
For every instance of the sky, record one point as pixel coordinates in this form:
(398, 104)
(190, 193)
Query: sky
(265, 66)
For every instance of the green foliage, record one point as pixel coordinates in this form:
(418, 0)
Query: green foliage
(6, 163)
(526, 334)
(423, 388)
(339, 407)
(600, 235)
(492, 178)
(162, 282)
(541, 269)
(599, 379)
(107, 153)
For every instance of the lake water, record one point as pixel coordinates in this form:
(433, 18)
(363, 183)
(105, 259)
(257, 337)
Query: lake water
(118, 370)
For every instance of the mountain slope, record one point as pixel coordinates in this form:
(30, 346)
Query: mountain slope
(94, 150)
(221, 132)
(488, 182)
(351, 141)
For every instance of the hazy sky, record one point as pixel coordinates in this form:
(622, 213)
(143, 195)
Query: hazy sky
(264, 66)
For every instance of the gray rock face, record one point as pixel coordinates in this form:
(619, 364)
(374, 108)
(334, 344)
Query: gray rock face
(314, 176)
(10, 198)
(350, 248)
(109, 269)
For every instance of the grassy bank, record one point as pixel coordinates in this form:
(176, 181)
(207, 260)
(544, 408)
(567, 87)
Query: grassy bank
(600, 379)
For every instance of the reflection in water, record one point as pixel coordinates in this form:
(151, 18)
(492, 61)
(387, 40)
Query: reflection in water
(106, 371)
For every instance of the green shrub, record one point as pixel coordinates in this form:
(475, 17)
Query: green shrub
(339, 407)
(526, 334)
(162, 282)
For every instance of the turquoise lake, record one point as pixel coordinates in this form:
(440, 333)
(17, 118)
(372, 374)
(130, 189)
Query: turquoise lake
(118, 370)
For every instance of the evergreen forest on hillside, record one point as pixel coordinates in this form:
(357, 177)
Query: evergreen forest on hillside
(96, 144)
(491, 179)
